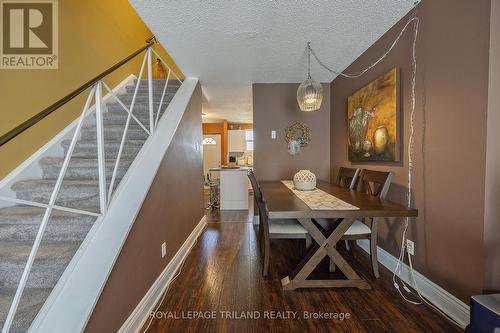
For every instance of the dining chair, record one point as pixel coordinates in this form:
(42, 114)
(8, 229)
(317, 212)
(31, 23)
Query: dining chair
(348, 178)
(274, 228)
(374, 183)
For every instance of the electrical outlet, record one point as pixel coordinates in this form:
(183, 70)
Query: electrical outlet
(273, 135)
(410, 246)
(163, 249)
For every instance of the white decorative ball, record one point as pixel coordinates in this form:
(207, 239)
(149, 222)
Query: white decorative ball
(304, 180)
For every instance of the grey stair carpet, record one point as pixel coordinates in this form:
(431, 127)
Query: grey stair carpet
(80, 190)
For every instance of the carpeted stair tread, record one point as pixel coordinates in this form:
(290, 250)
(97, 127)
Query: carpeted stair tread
(82, 194)
(31, 302)
(34, 184)
(33, 215)
(115, 133)
(157, 89)
(144, 97)
(21, 223)
(144, 81)
(50, 262)
(133, 125)
(88, 148)
(139, 109)
(16, 252)
(83, 168)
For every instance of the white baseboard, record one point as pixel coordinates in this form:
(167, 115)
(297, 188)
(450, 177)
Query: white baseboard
(143, 310)
(439, 297)
(30, 169)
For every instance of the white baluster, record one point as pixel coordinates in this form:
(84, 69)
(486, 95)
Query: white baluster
(150, 91)
(101, 163)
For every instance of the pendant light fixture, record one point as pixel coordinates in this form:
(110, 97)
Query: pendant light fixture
(310, 92)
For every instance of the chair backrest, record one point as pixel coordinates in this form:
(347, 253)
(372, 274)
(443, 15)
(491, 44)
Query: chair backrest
(255, 185)
(348, 177)
(261, 205)
(375, 183)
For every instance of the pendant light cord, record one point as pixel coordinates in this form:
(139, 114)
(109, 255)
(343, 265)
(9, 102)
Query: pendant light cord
(411, 141)
(360, 73)
(309, 60)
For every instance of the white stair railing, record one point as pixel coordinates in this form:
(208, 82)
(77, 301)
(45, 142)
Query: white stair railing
(105, 197)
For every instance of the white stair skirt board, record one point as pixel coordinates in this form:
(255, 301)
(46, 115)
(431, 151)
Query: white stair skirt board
(143, 310)
(74, 297)
(30, 168)
(439, 297)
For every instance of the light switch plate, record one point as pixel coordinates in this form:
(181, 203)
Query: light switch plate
(273, 135)
(163, 249)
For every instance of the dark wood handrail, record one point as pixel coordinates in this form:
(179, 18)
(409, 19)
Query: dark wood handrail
(44, 113)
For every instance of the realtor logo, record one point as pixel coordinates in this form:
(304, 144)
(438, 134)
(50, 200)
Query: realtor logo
(29, 34)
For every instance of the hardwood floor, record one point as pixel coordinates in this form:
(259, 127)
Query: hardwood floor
(223, 274)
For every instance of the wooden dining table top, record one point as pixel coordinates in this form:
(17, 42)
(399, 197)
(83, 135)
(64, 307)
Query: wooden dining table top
(282, 203)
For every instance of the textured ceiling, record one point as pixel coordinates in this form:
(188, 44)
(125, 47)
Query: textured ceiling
(229, 45)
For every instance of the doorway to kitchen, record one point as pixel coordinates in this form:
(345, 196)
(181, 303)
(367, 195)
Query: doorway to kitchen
(227, 157)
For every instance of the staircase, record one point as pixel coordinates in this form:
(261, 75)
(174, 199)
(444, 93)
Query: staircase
(80, 190)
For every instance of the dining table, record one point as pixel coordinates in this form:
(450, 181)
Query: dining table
(283, 203)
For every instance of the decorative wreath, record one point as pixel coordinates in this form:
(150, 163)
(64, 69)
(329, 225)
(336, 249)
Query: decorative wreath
(305, 136)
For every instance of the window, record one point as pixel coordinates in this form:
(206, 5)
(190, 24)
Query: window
(209, 141)
(249, 139)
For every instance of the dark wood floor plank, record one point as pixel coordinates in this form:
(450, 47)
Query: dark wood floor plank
(223, 273)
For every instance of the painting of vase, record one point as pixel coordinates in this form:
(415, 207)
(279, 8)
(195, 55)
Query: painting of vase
(373, 120)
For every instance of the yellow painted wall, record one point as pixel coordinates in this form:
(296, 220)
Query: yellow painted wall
(93, 35)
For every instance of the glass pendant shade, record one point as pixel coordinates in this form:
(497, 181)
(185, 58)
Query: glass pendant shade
(310, 95)
(310, 92)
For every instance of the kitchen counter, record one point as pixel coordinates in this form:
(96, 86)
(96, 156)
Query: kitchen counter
(231, 169)
(233, 188)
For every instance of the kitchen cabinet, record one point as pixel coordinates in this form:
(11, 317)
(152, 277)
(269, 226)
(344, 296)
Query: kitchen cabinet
(236, 141)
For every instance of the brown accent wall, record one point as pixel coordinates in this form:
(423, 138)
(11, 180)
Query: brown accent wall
(274, 108)
(492, 195)
(93, 36)
(452, 97)
(212, 128)
(171, 210)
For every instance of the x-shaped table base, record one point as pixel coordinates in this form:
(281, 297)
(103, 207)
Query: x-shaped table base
(324, 247)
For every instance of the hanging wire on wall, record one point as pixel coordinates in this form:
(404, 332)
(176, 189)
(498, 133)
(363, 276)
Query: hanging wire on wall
(354, 75)
(411, 141)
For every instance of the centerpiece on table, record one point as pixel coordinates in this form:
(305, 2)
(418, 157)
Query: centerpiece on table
(304, 180)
